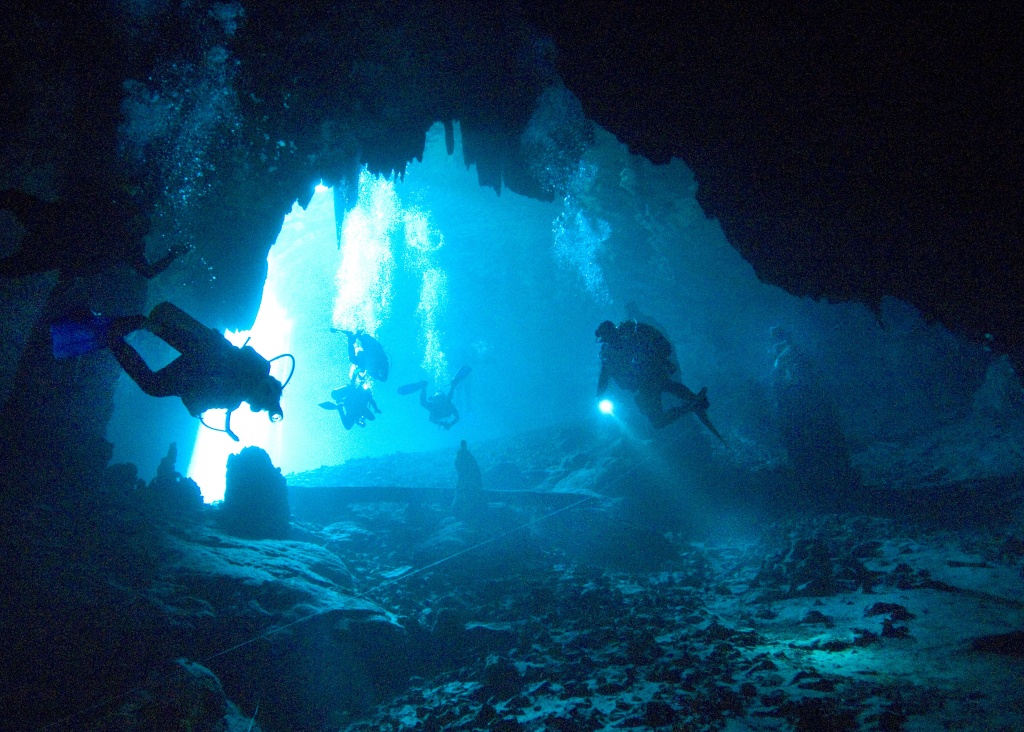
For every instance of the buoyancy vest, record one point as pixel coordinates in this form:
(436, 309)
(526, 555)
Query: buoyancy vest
(646, 341)
(639, 354)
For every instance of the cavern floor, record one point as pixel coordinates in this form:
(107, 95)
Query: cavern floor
(636, 603)
(833, 623)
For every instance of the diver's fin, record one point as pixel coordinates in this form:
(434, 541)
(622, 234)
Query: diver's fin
(702, 415)
(461, 374)
(410, 388)
(78, 337)
(329, 405)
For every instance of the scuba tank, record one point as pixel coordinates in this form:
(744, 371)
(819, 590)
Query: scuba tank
(184, 333)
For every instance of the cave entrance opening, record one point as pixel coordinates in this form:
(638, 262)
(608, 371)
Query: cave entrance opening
(298, 287)
(375, 268)
(444, 273)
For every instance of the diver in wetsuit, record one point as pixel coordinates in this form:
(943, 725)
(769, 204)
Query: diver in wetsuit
(440, 407)
(366, 355)
(210, 373)
(639, 359)
(354, 402)
(469, 485)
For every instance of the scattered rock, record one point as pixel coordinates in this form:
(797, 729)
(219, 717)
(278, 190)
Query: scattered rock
(502, 680)
(891, 630)
(894, 611)
(1003, 644)
(816, 617)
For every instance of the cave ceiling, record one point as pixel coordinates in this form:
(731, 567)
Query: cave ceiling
(849, 152)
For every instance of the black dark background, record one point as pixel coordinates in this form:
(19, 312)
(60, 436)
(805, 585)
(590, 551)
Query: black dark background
(850, 150)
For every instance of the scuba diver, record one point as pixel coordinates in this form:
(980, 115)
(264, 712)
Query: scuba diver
(441, 408)
(210, 373)
(85, 234)
(366, 355)
(639, 358)
(354, 402)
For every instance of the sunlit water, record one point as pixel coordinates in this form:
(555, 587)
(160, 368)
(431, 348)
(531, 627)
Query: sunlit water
(445, 274)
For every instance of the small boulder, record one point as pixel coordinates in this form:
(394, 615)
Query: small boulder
(255, 497)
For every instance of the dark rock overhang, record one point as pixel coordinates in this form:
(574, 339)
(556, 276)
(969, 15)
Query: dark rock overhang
(849, 153)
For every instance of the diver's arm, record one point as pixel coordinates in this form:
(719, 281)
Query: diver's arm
(602, 380)
(455, 418)
(149, 270)
(373, 404)
(227, 426)
(351, 346)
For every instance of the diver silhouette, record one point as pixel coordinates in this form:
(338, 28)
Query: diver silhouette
(354, 402)
(210, 373)
(366, 355)
(87, 233)
(639, 359)
(469, 484)
(440, 407)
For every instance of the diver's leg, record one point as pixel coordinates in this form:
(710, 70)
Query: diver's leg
(668, 417)
(123, 326)
(648, 401)
(347, 419)
(182, 332)
(682, 391)
(160, 383)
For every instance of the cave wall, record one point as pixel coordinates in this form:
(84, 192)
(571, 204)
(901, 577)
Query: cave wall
(315, 91)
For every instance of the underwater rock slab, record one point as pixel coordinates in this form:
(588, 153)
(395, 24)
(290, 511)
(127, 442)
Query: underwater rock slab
(972, 451)
(183, 695)
(280, 578)
(278, 621)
